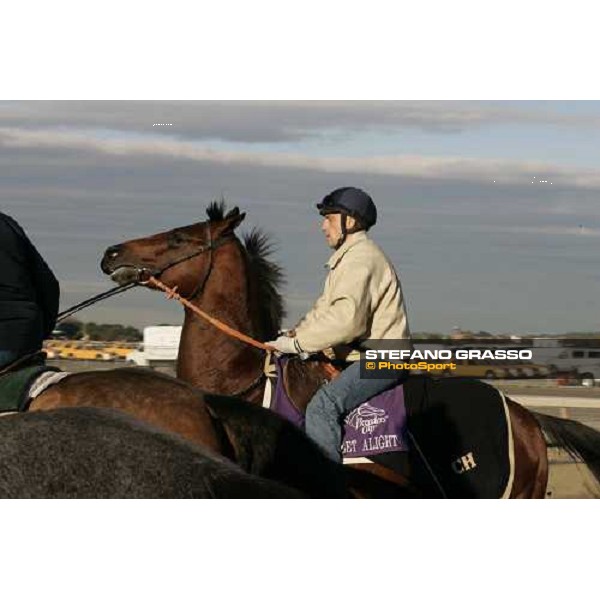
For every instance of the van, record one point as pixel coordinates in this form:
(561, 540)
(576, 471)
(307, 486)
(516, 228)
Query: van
(585, 360)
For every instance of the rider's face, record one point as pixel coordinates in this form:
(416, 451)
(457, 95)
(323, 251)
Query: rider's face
(332, 228)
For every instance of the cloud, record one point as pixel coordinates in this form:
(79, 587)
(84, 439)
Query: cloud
(262, 121)
(547, 230)
(500, 171)
(81, 179)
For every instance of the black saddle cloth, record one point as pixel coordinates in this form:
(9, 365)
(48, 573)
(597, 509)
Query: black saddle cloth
(461, 429)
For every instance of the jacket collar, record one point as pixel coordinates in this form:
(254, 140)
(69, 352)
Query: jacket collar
(351, 240)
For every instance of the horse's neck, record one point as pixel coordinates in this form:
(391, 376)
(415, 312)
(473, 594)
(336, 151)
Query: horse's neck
(208, 358)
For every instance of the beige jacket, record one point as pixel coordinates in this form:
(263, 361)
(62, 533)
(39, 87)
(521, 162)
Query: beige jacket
(362, 300)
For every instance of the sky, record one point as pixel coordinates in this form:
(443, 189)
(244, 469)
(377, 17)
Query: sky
(490, 211)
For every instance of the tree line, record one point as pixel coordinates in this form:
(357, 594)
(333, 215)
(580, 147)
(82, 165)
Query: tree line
(74, 329)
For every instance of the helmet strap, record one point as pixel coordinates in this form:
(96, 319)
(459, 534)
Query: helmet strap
(344, 230)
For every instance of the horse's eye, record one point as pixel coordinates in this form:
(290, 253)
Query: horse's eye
(176, 238)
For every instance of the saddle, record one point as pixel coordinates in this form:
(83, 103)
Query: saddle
(23, 380)
(376, 427)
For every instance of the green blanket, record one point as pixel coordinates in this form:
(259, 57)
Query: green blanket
(14, 387)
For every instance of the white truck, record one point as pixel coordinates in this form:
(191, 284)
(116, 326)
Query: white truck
(558, 357)
(160, 346)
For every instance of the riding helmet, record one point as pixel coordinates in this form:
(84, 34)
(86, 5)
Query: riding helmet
(351, 201)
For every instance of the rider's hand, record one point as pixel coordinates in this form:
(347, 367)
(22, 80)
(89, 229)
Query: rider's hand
(285, 345)
(287, 332)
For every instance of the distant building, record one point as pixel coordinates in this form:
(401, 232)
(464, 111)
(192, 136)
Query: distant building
(460, 334)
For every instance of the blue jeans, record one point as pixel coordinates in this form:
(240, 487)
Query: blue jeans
(8, 356)
(334, 400)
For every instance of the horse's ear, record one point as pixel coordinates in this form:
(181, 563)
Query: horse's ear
(231, 221)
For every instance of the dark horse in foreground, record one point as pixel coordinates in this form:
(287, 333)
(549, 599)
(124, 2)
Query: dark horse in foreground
(99, 453)
(235, 282)
(262, 443)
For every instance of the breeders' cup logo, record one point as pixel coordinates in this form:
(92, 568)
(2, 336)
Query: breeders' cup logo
(366, 418)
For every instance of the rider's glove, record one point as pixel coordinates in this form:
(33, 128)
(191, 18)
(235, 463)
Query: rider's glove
(285, 345)
(287, 332)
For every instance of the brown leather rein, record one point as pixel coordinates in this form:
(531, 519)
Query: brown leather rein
(146, 277)
(172, 294)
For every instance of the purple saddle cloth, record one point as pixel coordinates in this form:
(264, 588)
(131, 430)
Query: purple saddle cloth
(377, 426)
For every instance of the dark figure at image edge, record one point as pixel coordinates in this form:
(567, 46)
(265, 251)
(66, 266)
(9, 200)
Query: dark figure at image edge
(29, 294)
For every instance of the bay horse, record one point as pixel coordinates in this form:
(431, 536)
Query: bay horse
(235, 281)
(102, 453)
(224, 425)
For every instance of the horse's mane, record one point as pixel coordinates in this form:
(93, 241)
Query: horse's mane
(265, 277)
(216, 210)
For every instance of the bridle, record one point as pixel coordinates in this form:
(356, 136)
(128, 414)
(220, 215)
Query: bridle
(206, 245)
(144, 273)
(147, 276)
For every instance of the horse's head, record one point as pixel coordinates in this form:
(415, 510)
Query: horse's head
(180, 257)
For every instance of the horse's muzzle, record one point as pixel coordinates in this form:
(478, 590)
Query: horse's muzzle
(127, 274)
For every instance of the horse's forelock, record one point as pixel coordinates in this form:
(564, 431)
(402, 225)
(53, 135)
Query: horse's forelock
(216, 210)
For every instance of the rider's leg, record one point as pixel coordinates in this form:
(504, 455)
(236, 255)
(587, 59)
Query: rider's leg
(335, 399)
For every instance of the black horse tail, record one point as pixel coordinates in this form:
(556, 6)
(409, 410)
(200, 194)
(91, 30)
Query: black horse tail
(580, 441)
